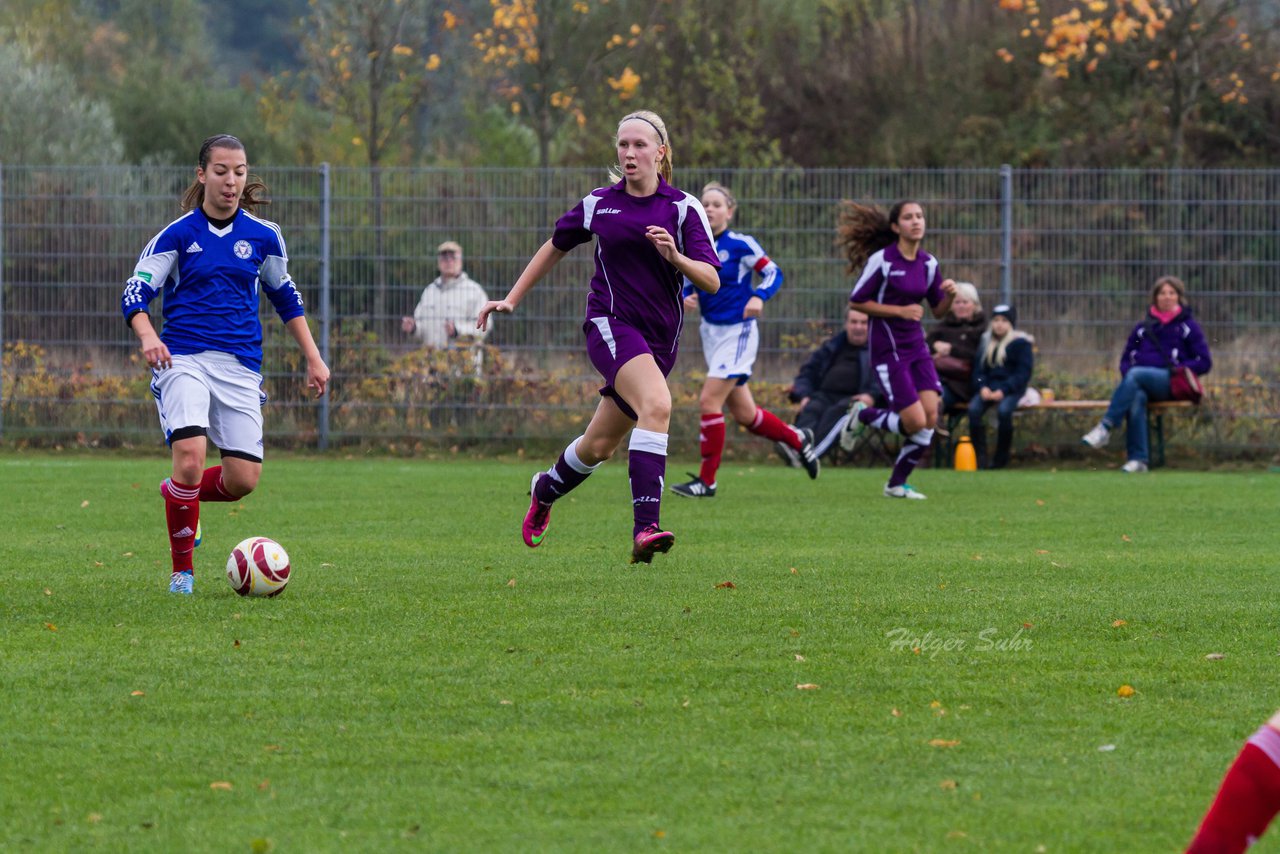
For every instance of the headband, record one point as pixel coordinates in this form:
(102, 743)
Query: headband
(662, 140)
(217, 142)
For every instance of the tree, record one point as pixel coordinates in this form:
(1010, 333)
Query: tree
(80, 131)
(1190, 52)
(713, 100)
(540, 55)
(371, 63)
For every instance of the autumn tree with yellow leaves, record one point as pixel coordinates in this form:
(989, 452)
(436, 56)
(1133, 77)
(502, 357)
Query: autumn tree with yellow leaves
(1193, 55)
(541, 55)
(372, 65)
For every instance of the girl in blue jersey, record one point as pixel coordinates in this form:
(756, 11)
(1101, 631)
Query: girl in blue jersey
(206, 364)
(730, 340)
(649, 238)
(897, 275)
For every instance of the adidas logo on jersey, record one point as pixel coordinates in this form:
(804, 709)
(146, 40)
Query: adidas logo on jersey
(194, 247)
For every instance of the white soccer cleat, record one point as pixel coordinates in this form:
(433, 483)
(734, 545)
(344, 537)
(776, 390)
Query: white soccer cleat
(1134, 467)
(904, 491)
(854, 430)
(1097, 437)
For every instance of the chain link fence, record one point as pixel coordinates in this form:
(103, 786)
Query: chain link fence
(1076, 250)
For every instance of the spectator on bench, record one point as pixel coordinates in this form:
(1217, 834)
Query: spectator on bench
(1000, 379)
(836, 374)
(1168, 337)
(954, 345)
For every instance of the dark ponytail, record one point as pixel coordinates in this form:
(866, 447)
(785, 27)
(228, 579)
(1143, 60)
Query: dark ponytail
(863, 230)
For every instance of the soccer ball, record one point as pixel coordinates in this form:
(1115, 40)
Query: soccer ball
(258, 567)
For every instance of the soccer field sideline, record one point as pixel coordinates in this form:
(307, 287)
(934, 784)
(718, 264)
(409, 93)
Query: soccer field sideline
(468, 693)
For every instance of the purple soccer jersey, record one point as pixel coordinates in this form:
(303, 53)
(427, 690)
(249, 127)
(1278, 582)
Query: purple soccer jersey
(632, 282)
(890, 279)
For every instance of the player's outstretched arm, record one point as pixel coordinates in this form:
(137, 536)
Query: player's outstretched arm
(317, 370)
(539, 265)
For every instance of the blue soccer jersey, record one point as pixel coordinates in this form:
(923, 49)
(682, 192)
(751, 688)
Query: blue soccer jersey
(210, 279)
(741, 260)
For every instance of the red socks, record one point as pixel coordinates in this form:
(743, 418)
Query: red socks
(1247, 799)
(770, 426)
(212, 487)
(182, 513)
(711, 438)
(711, 444)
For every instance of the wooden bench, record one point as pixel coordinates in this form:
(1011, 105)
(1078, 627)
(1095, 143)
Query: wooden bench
(1156, 411)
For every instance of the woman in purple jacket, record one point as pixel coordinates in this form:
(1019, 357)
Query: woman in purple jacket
(649, 238)
(1167, 338)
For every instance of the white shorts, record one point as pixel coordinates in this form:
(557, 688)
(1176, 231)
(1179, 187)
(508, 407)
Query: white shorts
(211, 394)
(730, 349)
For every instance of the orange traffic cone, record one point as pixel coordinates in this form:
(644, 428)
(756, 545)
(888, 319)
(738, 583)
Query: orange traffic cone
(966, 459)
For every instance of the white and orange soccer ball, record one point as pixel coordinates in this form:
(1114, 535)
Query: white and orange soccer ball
(258, 567)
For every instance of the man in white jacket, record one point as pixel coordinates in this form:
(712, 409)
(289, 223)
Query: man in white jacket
(447, 312)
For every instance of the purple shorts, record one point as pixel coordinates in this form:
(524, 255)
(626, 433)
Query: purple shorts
(610, 345)
(902, 381)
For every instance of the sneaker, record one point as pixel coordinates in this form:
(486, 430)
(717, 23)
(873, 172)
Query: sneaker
(1097, 437)
(182, 582)
(808, 455)
(199, 534)
(904, 491)
(787, 454)
(650, 542)
(854, 431)
(1134, 467)
(538, 517)
(695, 488)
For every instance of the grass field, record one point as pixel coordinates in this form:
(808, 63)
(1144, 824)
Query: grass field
(428, 683)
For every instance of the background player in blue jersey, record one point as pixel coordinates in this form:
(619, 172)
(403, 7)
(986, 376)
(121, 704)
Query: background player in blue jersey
(897, 275)
(649, 238)
(730, 340)
(206, 363)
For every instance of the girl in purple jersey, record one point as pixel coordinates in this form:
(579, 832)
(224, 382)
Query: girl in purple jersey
(649, 238)
(896, 276)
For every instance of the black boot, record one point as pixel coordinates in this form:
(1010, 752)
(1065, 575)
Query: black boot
(1004, 441)
(978, 435)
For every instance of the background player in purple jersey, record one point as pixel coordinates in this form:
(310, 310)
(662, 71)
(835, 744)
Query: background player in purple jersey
(897, 275)
(206, 362)
(730, 340)
(649, 238)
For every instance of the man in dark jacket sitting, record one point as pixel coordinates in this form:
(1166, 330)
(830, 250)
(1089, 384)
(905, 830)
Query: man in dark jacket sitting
(833, 376)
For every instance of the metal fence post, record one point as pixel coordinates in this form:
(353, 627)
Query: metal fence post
(1006, 233)
(326, 303)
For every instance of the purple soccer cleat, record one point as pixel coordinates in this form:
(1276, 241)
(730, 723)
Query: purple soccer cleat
(649, 542)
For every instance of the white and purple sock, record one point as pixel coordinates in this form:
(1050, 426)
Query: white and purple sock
(647, 468)
(909, 457)
(881, 419)
(566, 475)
